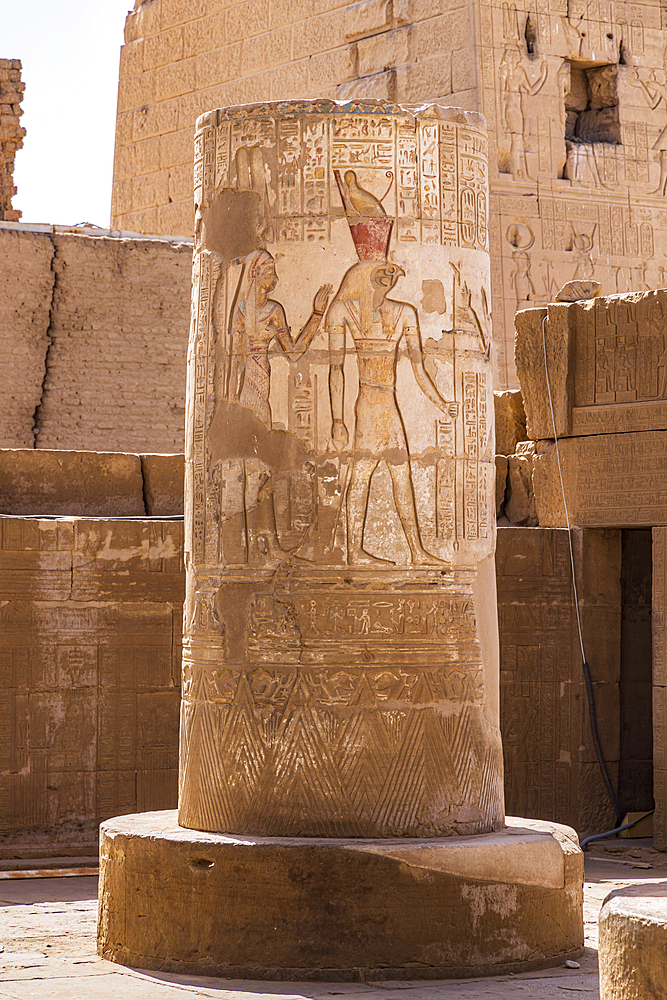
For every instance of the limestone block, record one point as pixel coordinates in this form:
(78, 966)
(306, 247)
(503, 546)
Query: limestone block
(163, 484)
(340, 479)
(70, 482)
(550, 766)
(90, 681)
(607, 365)
(633, 943)
(611, 480)
(520, 505)
(510, 420)
(319, 909)
(502, 470)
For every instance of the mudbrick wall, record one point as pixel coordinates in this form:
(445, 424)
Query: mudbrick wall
(90, 614)
(11, 133)
(93, 340)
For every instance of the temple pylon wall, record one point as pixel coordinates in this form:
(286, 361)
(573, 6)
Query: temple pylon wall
(575, 97)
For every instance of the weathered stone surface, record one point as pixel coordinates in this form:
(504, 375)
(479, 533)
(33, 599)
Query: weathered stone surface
(502, 469)
(520, 501)
(90, 615)
(551, 770)
(659, 611)
(163, 484)
(610, 480)
(27, 291)
(510, 420)
(578, 172)
(11, 133)
(633, 943)
(70, 482)
(607, 361)
(340, 614)
(272, 908)
(93, 335)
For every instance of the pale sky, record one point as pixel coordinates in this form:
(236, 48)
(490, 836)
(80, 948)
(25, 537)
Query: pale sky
(70, 51)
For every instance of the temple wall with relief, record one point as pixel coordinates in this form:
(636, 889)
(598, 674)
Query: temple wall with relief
(90, 614)
(551, 770)
(575, 97)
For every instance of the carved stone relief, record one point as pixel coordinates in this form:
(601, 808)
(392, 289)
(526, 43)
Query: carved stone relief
(339, 476)
(576, 100)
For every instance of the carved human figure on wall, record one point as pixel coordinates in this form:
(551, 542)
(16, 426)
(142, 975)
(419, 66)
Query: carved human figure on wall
(514, 83)
(376, 325)
(655, 92)
(521, 279)
(256, 322)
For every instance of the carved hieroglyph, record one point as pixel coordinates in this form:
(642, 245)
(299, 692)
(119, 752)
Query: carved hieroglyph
(339, 477)
(607, 361)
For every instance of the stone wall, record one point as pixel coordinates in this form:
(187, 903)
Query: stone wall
(572, 111)
(11, 133)
(551, 770)
(93, 340)
(91, 615)
(182, 59)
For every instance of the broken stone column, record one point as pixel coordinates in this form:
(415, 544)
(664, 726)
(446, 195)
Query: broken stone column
(340, 478)
(340, 668)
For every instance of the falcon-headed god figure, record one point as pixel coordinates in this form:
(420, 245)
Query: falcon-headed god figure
(376, 325)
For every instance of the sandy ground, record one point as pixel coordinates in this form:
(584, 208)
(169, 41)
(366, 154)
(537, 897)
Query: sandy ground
(47, 948)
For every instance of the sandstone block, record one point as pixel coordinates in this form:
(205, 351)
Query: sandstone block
(163, 484)
(610, 480)
(118, 335)
(382, 52)
(550, 766)
(633, 943)
(94, 680)
(332, 910)
(367, 17)
(502, 469)
(37, 481)
(607, 365)
(510, 419)
(25, 305)
(379, 87)
(520, 507)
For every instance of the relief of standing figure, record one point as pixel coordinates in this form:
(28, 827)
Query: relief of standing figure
(514, 83)
(376, 325)
(256, 321)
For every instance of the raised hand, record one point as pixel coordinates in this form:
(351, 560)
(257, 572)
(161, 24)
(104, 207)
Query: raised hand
(322, 298)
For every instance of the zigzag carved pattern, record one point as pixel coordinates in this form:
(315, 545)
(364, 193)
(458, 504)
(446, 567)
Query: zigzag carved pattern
(350, 770)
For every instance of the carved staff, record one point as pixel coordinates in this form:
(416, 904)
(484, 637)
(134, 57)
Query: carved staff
(456, 520)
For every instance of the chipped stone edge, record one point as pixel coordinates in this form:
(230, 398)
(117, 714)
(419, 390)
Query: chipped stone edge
(330, 107)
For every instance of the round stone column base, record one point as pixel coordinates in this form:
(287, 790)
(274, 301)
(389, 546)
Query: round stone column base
(178, 900)
(633, 943)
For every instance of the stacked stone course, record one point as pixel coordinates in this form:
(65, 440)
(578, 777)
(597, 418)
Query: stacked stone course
(93, 337)
(11, 133)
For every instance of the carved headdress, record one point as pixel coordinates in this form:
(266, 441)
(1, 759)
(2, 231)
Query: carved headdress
(369, 226)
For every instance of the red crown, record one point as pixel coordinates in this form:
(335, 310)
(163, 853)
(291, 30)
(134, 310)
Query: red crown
(371, 238)
(370, 233)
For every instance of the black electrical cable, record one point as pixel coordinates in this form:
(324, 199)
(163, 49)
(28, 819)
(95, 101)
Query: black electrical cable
(592, 714)
(617, 829)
